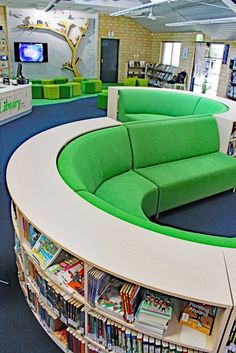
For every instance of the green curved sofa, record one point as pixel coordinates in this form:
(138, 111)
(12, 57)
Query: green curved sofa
(135, 171)
(137, 105)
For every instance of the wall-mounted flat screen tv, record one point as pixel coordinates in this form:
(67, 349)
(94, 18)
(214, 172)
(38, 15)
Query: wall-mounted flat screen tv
(31, 52)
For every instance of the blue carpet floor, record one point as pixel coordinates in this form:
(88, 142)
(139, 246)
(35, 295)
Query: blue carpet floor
(19, 331)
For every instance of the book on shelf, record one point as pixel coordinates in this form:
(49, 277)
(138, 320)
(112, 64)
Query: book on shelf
(45, 251)
(110, 300)
(130, 294)
(198, 316)
(97, 282)
(68, 273)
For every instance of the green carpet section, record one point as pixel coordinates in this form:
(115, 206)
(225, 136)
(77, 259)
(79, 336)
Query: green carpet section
(39, 102)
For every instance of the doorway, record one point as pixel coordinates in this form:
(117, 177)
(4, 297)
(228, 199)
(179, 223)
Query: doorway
(109, 60)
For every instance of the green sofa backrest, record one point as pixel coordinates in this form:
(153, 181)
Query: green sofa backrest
(164, 141)
(155, 102)
(95, 157)
(165, 103)
(211, 106)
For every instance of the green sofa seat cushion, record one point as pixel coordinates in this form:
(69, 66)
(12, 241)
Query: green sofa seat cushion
(65, 90)
(88, 87)
(155, 102)
(130, 81)
(142, 82)
(165, 230)
(47, 81)
(35, 82)
(76, 88)
(88, 161)
(79, 79)
(165, 141)
(102, 100)
(206, 105)
(192, 179)
(131, 193)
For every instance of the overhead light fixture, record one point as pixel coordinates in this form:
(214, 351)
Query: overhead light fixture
(202, 22)
(141, 7)
(51, 5)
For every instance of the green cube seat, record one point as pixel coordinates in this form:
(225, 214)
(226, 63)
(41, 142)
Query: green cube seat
(37, 91)
(102, 100)
(59, 80)
(35, 82)
(79, 79)
(98, 85)
(47, 81)
(143, 82)
(130, 81)
(88, 87)
(65, 90)
(51, 91)
(76, 88)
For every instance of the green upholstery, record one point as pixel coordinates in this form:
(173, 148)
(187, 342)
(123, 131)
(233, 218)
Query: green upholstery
(59, 80)
(187, 180)
(211, 106)
(88, 87)
(143, 82)
(130, 81)
(157, 102)
(134, 170)
(102, 100)
(51, 91)
(37, 91)
(131, 193)
(170, 140)
(98, 85)
(79, 79)
(47, 81)
(171, 232)
(88, 161)
(65, 90)
(76, 88)
(35, 82)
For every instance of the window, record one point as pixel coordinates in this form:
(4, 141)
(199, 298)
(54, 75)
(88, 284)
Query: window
(171, 53)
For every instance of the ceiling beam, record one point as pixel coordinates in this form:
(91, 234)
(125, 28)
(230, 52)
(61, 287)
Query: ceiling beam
(141, 7)
(231, 5)
(203, 22)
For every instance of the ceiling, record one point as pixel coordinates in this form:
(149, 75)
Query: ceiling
(172, 11)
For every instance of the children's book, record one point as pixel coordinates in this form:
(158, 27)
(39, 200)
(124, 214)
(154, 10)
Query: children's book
(198, 316)
(155, 303)
(110, 300)
(45, 251)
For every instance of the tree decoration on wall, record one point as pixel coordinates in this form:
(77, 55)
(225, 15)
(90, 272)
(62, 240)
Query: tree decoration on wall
(64, 30)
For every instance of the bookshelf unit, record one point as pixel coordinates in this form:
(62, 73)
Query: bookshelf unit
(183, 270)
(4, 49)
(159, 74)
(136, 68)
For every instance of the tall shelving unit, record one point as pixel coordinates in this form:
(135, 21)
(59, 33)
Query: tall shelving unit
(136, 68)
(5, 69)
(159, 74)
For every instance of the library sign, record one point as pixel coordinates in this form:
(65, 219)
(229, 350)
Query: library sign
(6, 105)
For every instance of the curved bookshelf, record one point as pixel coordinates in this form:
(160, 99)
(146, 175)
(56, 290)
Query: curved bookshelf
(180, 269)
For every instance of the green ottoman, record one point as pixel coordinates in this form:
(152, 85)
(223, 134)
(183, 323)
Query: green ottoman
(37, 91)
(142, 82)
(88, 87)
(102, 100)
(35, 82)
(76, 88)
(51, 91)
(47, 82)
(130, 81)
(59, 80)
(98, 85)
(65, 90)
(79, 79)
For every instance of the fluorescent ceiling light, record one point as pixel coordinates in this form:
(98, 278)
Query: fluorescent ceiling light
(140, 7)
(202, 22)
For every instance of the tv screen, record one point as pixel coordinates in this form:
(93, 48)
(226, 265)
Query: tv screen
(31, 52)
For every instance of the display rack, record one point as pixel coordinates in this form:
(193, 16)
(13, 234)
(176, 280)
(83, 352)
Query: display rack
(232, 85)
(136, 68)
(159, 74)
(180, 269)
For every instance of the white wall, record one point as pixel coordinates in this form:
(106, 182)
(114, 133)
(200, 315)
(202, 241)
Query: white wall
(58, 50)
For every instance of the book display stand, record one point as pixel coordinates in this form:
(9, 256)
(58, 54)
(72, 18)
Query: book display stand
(107, 248)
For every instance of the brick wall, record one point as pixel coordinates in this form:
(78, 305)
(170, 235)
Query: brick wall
(134, 40)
